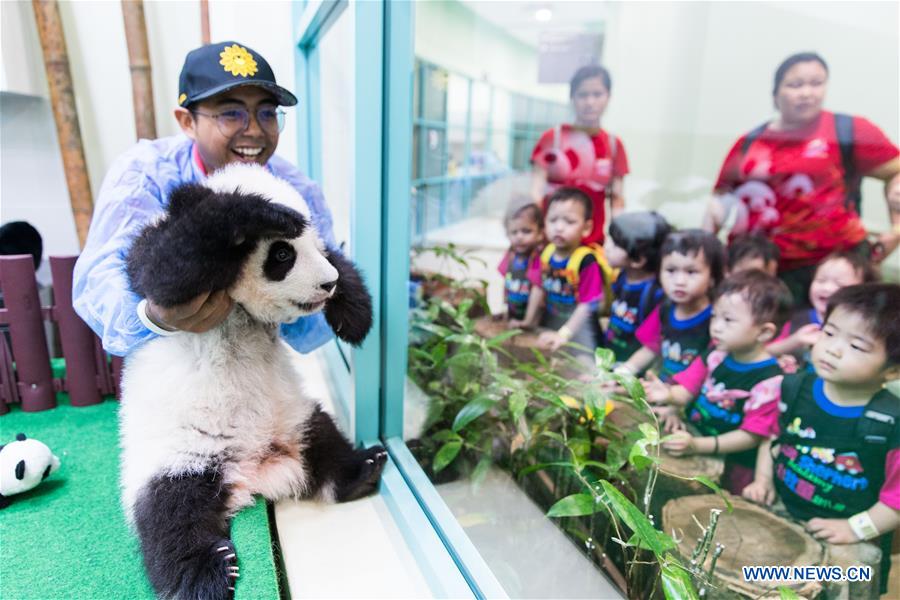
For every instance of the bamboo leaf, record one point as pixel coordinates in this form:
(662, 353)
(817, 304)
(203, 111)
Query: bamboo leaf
(634, 389)
(503, 336)
(471, 411)
(439, 352)
(445, 435)
(481, 471)
(714, 487)
(786, 593)
(636, 521)
(446, 455)
(554, 436)
(541, 466)
(604, 358)
(576, 505)
(650, 432)
(517, 403)
(676, 584)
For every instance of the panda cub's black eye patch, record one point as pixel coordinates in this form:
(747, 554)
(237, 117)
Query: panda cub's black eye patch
(280, 261)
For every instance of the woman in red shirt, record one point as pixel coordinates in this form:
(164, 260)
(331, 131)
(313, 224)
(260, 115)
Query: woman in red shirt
(582, 154)
(787, 179)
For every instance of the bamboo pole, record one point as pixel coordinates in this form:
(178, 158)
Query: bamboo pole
(139, 64)
(204, 21)
(62, 99)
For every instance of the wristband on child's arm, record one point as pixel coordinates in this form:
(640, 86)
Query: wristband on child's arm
(148, 323)
(565, 333)
(862, 526)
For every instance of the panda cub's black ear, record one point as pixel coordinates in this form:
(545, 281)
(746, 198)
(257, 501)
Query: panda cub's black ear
(349, 311)
(20, 437)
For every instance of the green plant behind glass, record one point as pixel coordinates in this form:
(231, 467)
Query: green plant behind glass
(552, 434)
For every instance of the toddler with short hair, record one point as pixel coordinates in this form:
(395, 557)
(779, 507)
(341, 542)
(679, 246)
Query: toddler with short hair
(571, 278)
(836, 271)
(678, 328)
(835, 461)
(730, 398)
(633, 246)
(521, 264)
(753, 251)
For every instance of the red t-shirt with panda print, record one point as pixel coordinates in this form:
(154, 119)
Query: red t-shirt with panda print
(594, 178)
(791, 187)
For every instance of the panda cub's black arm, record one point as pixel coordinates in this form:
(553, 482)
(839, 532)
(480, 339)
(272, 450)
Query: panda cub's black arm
(349, 311)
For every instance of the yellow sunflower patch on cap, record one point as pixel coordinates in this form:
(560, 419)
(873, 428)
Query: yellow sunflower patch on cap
(182, 98)
(238, 61)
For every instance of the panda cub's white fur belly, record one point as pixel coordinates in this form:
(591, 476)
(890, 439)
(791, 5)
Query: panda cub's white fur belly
(229, 397)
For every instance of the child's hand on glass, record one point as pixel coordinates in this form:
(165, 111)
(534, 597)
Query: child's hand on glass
(551, 341)
(760, 491)
(680, 443)
(668, 418)
(833, 531)
(657, 391)
(517, 324)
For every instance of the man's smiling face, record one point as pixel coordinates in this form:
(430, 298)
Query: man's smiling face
(254, 144)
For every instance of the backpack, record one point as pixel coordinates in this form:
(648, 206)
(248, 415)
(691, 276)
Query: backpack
(874, 427)
(573, 268)
(843, 125)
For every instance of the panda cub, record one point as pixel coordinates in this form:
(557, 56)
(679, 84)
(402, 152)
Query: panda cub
(208, 420)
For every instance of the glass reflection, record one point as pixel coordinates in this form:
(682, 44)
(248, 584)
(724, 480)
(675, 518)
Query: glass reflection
(553, 157)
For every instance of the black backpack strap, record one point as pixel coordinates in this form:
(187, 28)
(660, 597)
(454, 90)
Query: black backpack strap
(790, 391)
(751, 137)
(843, 126)
(880, 418)
(646, 297)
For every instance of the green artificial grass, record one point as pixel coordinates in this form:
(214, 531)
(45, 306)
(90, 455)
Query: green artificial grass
(67, 538)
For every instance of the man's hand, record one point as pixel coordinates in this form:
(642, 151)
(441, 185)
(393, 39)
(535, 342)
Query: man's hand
(761, 492)
(680, 443)
(833, 531)
(197, 316)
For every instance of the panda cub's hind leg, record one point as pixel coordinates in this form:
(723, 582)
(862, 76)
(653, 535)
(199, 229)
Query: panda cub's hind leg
(183, 526)
(336, 468)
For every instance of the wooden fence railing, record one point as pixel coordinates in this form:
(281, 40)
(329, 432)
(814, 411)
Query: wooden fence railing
(26, 376)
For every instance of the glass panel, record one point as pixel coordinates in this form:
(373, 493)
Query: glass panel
(336, 93)
(434, 152)
(457, 100)
(435, 94)
(481, 105)
(508, 429)
(337, 121)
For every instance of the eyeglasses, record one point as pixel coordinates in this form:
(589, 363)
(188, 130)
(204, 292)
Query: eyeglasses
(235, 120)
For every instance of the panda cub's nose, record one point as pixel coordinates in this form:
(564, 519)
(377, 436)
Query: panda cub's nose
(328, 287)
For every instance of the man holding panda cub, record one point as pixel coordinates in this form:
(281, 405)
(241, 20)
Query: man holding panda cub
(228, 111)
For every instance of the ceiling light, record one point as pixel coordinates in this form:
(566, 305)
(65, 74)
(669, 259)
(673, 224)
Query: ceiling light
(543, 14)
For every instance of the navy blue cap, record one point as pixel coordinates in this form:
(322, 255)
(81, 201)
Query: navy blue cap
(215, 68)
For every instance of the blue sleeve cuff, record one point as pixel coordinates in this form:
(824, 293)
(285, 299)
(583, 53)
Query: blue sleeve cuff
(307, 333)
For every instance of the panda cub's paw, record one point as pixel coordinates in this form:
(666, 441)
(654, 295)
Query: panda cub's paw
(217, 577)
(370, 463)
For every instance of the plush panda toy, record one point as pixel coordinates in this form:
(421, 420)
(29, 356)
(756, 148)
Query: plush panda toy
(208, 420)
(24, 463)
